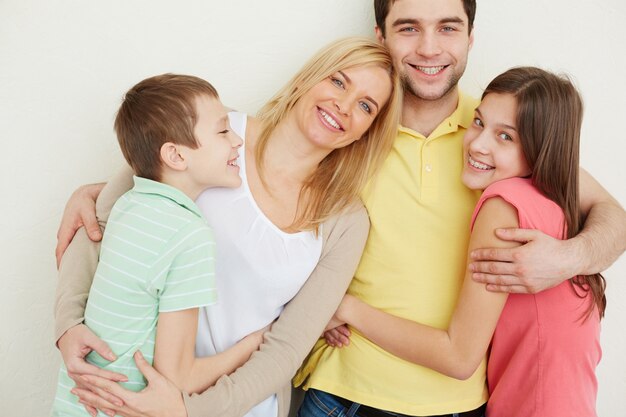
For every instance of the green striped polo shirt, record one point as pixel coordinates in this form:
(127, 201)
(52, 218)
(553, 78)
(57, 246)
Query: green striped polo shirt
(157, 255)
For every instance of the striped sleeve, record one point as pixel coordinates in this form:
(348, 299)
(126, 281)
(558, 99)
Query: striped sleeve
(186, 276)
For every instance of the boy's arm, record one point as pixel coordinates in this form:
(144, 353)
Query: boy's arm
(458, 350)
(527, 269)
(174, 354)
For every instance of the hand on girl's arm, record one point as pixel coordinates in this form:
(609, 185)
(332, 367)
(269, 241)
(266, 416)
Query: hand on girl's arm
(543, 262)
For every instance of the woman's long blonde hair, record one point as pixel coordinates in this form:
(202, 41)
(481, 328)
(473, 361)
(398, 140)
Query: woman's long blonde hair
(340, 176)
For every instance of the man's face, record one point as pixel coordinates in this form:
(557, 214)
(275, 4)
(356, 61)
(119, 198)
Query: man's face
(429, 41)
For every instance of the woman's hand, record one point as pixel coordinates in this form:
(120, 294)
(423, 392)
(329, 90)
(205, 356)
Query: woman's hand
(160, 398)
(74, 345)
(80, 211)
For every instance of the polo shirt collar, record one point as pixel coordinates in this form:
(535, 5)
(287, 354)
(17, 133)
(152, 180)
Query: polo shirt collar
(146, 186)
(461, 117)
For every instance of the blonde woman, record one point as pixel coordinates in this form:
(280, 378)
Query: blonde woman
(288, 240)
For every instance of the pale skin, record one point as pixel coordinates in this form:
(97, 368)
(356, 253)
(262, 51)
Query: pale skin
(295, 149)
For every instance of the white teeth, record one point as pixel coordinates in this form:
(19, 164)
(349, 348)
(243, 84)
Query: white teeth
(478, 165)
(232, 162)
(330, 120)
(430, 70)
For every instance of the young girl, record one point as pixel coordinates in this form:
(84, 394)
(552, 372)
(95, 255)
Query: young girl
(522, 150)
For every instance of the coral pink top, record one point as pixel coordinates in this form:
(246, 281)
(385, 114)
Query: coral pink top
(543, 352)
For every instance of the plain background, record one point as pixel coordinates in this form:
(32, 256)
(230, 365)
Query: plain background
(64, 66)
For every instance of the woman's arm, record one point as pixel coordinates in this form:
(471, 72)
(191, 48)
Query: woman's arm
(174, 353)
(271, 368)
(458, 350)
(75, 275)
(79, 263)
(526, 270)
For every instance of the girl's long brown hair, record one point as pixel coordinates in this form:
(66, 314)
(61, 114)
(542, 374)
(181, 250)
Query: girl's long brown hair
(549, 118)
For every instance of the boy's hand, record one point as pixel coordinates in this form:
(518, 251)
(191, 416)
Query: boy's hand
(80, 211)
(160, 398)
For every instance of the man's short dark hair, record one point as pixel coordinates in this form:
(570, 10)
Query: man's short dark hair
(381, 10)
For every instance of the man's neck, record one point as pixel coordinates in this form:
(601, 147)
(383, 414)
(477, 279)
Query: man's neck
(423, 116)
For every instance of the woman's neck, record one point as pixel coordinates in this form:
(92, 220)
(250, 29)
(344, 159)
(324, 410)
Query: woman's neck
(289, 156)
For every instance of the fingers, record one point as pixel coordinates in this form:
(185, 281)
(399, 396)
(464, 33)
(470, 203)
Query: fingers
(511, 289)
(492, 268)
(107, 390)
(145, 368)
(493, 254)
(97, 344)
(91, 401)
(336, 338)
(88, 217)
(85, 368)
(517, 235)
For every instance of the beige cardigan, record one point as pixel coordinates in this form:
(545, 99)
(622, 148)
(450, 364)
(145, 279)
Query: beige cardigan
(270, 369)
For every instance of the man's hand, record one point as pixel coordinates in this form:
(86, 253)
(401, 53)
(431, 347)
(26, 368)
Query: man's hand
(542, 262)
(160, 398)
(80, 211)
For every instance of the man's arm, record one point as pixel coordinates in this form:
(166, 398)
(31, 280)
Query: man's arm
(544, 262)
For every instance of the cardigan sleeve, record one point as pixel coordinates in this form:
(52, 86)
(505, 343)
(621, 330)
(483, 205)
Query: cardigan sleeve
(270, 369)
(80, 260)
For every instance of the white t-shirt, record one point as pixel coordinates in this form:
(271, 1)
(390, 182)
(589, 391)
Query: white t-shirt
(258, 267)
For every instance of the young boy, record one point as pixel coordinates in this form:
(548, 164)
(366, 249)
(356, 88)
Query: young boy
(156, 259)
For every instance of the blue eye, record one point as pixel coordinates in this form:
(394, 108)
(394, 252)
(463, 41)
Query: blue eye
(505, 136)
(408, 29)
(337, 82)
(366, 107)
(478, 122)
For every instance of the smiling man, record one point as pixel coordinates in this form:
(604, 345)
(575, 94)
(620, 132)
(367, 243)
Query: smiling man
(415, 258)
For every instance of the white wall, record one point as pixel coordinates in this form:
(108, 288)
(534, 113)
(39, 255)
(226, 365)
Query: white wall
(64, 66)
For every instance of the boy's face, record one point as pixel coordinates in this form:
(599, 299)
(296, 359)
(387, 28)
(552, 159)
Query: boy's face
(429, 41)
(214, 162)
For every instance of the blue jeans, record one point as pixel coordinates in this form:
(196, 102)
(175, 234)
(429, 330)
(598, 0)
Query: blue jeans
(322, 404)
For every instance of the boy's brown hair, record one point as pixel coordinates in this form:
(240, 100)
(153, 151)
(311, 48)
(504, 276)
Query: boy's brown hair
(157, 110)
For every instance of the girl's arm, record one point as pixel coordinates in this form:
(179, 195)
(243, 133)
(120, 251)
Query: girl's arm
(174, 355)
(458, 350)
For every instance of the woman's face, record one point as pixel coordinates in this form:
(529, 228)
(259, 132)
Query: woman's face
(492, 145)
(341, 108)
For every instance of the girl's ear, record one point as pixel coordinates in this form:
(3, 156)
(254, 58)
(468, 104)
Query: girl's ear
(172, 156)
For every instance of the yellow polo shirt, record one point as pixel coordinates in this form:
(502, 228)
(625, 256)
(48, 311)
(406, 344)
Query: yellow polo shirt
(412, 267)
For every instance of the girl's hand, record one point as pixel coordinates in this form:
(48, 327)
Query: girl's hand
(160, 398)
(80, 211)
(338, 336)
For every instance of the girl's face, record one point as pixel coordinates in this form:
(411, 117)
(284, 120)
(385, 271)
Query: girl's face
(341, 108)
(492, 147)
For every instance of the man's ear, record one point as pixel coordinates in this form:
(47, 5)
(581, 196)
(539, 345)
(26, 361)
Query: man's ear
(172, 156)
(471, 39)
(379, 35)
